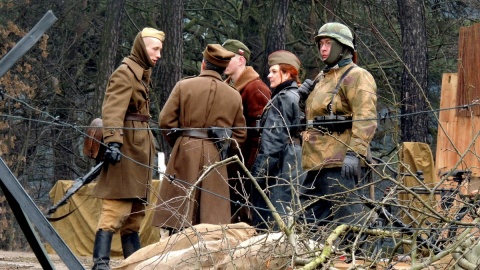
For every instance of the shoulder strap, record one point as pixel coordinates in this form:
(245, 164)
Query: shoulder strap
(337, 87)
(210, 101)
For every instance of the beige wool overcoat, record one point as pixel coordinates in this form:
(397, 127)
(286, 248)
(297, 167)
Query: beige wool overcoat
(199, 102)
(126, 93)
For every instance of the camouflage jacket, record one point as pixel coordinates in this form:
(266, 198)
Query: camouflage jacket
(356, 98)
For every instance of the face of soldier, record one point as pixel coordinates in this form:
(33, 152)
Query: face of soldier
(276, 76)
(234, 64)
(324, 46)
(154, 48)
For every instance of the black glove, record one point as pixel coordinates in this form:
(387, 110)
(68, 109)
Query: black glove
(304, 90)
(351, 167)
(113, 154)
(307, 86)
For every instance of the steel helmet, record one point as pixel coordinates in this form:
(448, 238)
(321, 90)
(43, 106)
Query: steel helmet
(337, 31)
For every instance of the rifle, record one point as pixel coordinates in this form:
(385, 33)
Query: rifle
(77, 184)
(93, 148)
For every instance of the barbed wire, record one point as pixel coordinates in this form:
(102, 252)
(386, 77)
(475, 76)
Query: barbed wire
(56, 121)
(80, 128)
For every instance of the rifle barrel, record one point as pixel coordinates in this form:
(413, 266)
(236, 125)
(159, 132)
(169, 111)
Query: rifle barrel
(77, 184)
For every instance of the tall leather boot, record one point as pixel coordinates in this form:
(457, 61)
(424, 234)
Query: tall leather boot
(101, 250)
(130, 243)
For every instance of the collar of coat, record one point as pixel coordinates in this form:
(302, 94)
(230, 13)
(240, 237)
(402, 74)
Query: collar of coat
(284, 86)
(248, 75)
(210, 73)
(137, 70)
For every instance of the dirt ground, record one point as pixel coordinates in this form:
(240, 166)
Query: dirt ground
(28, 260)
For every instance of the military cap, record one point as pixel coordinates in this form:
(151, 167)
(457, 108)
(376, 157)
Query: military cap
(284, 57)
(217, 55)
(152, 32)
(237, 47)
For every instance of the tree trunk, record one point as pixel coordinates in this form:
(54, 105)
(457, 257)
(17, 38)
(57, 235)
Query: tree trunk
(108, 51)
(169, 70)
(414, 91)
(276, 31)
(251, 34)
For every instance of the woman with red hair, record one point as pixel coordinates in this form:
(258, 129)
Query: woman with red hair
(278, 166)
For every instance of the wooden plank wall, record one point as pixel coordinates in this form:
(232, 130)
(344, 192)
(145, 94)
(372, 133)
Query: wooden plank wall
(455, 133)
(468, 65)
(458, 129)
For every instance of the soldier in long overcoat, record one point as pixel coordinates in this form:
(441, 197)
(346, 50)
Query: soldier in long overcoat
(124, 180)
(201, 102)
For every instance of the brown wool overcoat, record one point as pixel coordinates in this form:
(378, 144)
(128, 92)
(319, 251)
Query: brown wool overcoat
(199, 102)
(126, 94)
(255, 96)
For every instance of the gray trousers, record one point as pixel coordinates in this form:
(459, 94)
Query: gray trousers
(332, 199)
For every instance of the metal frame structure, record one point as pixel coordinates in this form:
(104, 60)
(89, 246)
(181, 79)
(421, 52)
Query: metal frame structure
(25, 210)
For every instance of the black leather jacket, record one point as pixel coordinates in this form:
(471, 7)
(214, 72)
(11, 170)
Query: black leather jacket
(279, 154)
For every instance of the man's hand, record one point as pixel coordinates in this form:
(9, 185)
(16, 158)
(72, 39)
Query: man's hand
(304, 90)
(113, 154)
(307, 86)
(351, 167)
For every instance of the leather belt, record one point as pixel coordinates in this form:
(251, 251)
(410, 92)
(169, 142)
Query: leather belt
(201, 134)
(137, 117)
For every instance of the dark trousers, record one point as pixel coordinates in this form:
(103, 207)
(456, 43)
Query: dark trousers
(331, 198)
(279, 191)
(240, 194)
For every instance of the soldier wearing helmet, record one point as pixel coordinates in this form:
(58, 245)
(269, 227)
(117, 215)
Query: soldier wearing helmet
(340, 39)
(340, 110)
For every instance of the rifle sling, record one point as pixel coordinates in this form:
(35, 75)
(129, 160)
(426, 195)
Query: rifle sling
(51, 219)
(337, 87)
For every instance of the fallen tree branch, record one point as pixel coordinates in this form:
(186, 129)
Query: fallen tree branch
(233, 159)
(327, 248)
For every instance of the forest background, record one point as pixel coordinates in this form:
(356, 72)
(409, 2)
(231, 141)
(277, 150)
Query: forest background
(52, 94)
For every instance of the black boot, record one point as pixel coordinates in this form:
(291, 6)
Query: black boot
(130, 244)
(101, 250)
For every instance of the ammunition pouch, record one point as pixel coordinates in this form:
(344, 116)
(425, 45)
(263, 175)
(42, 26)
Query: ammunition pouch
(331, 123)
(172, 136)
(221, 137)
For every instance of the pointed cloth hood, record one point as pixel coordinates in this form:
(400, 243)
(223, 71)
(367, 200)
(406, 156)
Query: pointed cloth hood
(139, 53)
